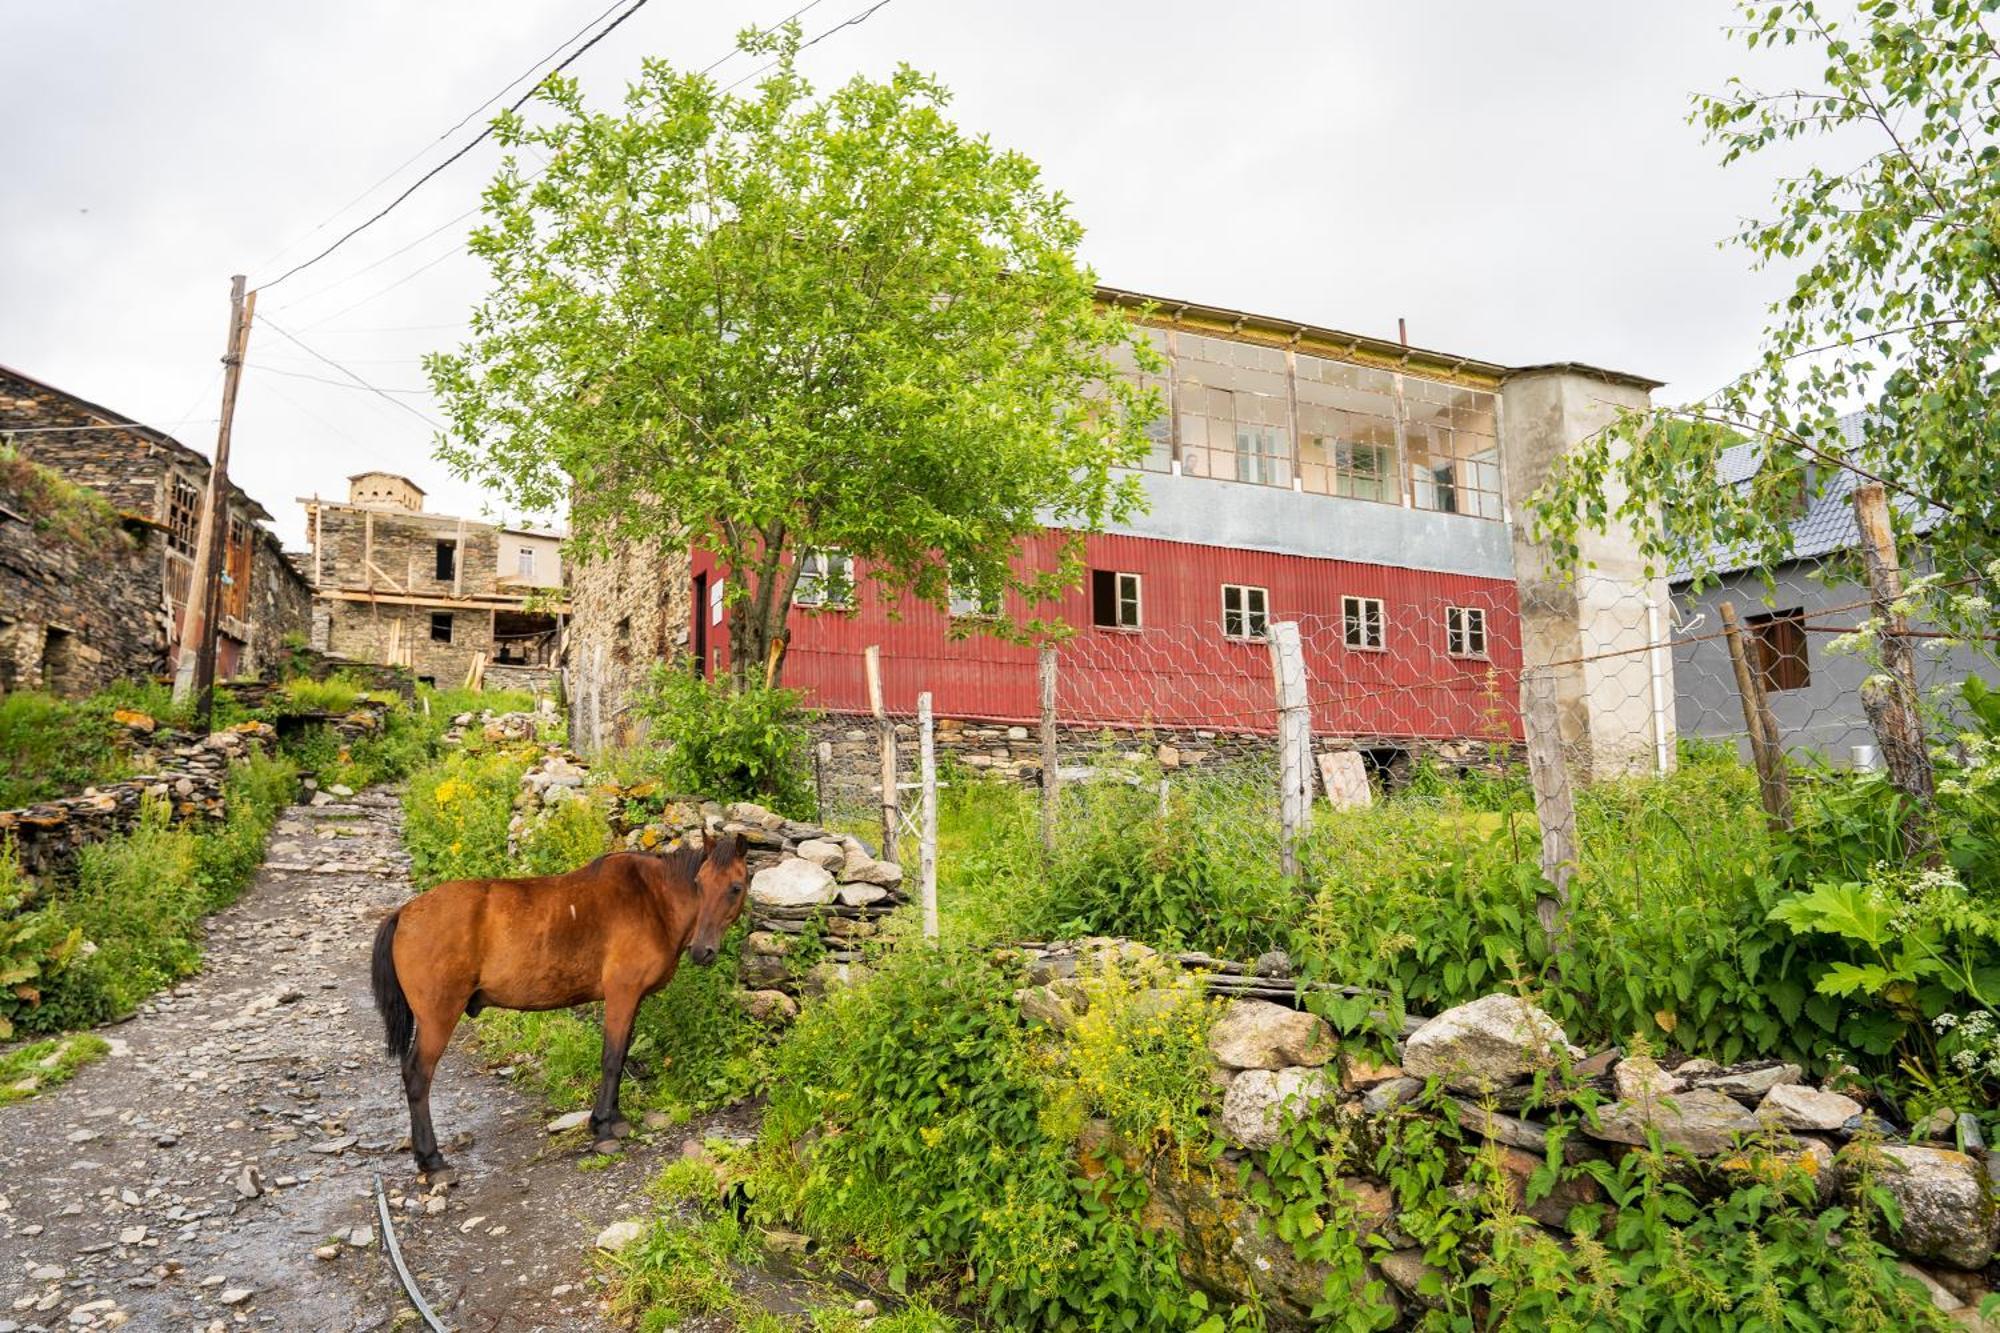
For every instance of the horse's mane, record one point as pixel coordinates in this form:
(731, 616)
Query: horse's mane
(679, 864)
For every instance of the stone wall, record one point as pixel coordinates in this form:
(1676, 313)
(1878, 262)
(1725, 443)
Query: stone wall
(364, 631)
(185, 771)
(77, 610)
(509, 676)
(629, 611)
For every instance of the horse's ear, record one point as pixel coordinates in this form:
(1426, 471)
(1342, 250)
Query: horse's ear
(726, 849)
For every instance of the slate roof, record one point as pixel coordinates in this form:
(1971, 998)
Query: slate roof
(1826, 526)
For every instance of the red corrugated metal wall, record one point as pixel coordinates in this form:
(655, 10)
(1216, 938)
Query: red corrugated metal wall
(1179, 669)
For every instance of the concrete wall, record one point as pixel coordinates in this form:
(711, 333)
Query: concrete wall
(1615, 707)
(545, 567)
(1824, 718)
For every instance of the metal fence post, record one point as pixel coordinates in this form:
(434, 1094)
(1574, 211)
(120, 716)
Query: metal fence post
(927, 838)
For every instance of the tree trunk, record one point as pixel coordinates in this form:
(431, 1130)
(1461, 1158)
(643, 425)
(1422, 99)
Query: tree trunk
(1890, 699)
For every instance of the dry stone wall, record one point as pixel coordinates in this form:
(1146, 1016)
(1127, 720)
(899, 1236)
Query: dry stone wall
(183, 771)
(76, 613)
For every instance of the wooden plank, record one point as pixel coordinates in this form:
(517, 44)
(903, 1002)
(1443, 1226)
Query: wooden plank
(1760, 725)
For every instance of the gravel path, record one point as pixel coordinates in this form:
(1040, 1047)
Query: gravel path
(216, 1170)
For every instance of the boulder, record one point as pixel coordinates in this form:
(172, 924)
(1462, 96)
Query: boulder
(1254, 1106)
(1491, 1043)
(1640, 1078)
(867, 870)
(619, 1235)
(1051, 1008)
(823, 852)
(1794, 1106)
(861, 895)
(1256, 1034)
(773, 1008)
(1701, 1120)
(1948, 1216)
(792, 883)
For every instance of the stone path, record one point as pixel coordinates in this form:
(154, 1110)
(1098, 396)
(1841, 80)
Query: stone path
(216, 1170)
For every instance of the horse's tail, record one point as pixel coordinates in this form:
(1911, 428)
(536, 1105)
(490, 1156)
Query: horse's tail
(399, 1024)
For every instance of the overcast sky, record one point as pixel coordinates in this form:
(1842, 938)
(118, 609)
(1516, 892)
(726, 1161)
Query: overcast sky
(1517, 180)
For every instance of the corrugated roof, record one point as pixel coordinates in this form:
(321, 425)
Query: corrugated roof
(1827, 523)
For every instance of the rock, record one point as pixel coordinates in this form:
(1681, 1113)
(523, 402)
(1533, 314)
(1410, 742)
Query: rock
(562, 1124)
(1387, 1096)
(827, 977)
(773, 1008)
(1748, 1083)
(1641, 1079)
(338, 790)
(886, 874)
(1948, 1217)
(1796, 1107)
(234, 1295)
(1275, 964)
(1256, 1034)
(1357, 1073)
(866, 1309)
(1937, 1125)
(1409, 1274)
(823, 852)
(787, 1242)
(1495, 1041)
(1701, 1120)
(793, 883)
(249, 1182)
(327, 1253)
(1255, 1104)
(48, 1273)
(361, 1237)
(861, 895)
(1046, 1005)
(131, 1235)
(331, 1146)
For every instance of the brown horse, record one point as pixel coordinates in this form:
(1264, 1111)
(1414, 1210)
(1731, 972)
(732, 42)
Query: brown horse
(613, 931)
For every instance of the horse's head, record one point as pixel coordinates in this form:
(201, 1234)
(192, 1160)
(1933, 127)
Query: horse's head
(722, 883)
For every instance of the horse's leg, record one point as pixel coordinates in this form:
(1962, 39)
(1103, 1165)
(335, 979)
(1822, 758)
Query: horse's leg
(433, 1035)
(621, 1006)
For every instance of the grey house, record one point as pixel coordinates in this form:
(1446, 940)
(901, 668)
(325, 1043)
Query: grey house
(1789, 624)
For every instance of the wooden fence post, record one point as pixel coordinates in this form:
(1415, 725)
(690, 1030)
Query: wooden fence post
(927, 837)
(1045, 672)
(1765, 752)
(1288, 675)
(1555, 802)
(1890, 699)
(885, 740)
(822, 764)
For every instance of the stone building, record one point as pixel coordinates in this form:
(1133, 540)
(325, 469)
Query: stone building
(393, 583)
(633, 609)
(91, 593)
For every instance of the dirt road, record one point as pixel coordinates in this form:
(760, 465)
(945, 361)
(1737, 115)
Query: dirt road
(216, 1170)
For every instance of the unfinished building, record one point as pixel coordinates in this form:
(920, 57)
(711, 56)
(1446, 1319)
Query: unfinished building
(454, 599)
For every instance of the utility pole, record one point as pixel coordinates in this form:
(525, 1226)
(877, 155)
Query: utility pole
(195, 671)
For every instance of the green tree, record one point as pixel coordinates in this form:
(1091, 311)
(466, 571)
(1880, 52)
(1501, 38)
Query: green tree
(774, 323)
(1895, 303)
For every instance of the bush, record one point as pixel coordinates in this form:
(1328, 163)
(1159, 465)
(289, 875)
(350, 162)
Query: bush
(732, 746)
(51, 748)
(455, 815)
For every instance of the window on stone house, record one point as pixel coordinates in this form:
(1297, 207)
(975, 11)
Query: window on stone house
(1465, 631)
(183, 516)
(1361, 623)
(524, 562)
(1245, 611)
(1779, 641)
(441, 626)
(447, 560)
(1114, 599)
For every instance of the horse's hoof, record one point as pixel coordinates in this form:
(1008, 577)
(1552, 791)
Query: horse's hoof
(607, 1147)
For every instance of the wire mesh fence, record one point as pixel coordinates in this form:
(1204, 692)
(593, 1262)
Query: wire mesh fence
(1266, 721)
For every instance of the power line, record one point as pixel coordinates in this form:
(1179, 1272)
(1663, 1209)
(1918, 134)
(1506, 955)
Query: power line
(270, 369)
(454, 128)
(465, 148)
(329, 361)
(852, 21)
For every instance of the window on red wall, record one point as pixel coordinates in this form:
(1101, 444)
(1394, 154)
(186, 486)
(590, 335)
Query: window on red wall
(1361, 622)
(1245, 611)
(1114, 599)
(1465, 631)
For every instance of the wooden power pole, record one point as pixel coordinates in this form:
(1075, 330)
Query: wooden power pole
(195, 670)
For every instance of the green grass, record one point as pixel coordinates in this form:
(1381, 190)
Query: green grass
(49, 1064)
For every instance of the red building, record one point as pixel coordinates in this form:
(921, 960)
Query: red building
(1360, 487)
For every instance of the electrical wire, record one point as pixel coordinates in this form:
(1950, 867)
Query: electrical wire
(462, 150)
(321, 357)
(852, 21)
(268, 368)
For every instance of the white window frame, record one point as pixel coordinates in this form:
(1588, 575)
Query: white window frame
(524, 556)
(1466, 625)
(814, 568)
(1125, 588)
(1354, 614)
(1251, 614)
(967, 606)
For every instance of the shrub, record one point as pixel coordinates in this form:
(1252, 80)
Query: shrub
(747, 745)
(51, 748)
(455, 816)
